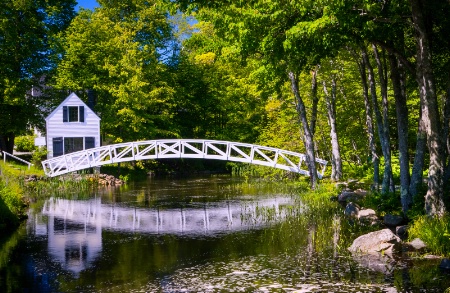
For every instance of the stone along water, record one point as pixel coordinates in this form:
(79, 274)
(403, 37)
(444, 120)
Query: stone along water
(216, 234)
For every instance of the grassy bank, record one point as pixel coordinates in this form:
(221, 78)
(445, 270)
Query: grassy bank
(20, 185)
(13, 203)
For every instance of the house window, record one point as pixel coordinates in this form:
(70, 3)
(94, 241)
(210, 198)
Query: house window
(73, 144)
(66, 145)
(73, 114)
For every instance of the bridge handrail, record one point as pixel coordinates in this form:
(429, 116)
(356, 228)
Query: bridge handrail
(17, 158)
(178, 148)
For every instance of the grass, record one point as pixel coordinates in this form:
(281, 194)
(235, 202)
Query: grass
(434, 231)
(15, 192)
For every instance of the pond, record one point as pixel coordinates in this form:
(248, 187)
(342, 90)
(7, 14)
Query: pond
(215, 234)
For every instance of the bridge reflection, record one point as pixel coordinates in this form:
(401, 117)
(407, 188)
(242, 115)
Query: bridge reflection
(74, 227)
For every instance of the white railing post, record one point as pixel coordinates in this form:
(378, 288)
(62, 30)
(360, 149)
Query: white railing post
(17, 158)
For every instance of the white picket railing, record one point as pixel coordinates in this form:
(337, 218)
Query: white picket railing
(5, 154)
(181, 148)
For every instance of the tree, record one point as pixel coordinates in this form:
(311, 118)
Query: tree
(117, 51)
(27, 29)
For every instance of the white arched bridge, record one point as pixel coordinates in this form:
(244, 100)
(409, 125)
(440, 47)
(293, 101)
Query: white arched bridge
(181, 148)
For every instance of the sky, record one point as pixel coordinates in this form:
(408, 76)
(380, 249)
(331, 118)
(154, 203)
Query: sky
(88, 4)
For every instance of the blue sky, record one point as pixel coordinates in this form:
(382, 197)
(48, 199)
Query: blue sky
(88, 4)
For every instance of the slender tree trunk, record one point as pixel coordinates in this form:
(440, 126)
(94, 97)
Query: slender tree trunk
(369, 122)
(308, 136)
(434, 203)
(419, 160)
(387, 177)
(446, 135)
(315, 100)
(402, 131)
(336, 172)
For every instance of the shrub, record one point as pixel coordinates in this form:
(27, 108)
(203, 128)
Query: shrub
(434, 231)
(38, 156)
(25, 143)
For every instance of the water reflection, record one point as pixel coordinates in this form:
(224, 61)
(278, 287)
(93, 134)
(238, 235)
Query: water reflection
(195, 235)
(74, 227)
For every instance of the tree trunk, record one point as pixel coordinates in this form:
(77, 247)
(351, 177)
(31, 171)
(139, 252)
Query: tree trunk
(308, 136)
(7, 142)
(402, 131)
(445, 134)
(434, 203)
(369, 122)
(387, 137)
(336, 172)
(385, 147)
(315, 101)
(419, 160)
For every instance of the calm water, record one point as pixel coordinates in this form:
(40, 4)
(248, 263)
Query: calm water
(197, 235)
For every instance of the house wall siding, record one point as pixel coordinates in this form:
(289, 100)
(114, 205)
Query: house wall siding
(57, 128)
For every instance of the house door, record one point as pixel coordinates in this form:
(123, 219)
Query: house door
(58, 147)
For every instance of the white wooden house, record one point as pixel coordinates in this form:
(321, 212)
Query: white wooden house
(71, 127)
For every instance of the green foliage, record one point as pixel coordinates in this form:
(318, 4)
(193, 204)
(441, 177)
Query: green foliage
(434, 231)
(38, 156)
(12, 206)
(25, 143)
(27, 27)
(388, 203)
(117, 50)
(126, 171)
(8, 220)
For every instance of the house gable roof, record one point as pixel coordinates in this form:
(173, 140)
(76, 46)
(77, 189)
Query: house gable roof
(63, 103)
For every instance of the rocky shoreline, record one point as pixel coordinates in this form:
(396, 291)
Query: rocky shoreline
(100, 178)
(379, 249)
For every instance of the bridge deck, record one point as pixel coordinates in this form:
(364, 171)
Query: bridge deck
(181, 148)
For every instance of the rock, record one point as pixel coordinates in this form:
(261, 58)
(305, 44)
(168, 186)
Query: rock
(367, 213)
(368, 216)
(376, 242)
(376, 262)
(352, 210)
(348, 195)
(417, 244)
(393, 220)
(341, 185)
(361, 192)
(402, 231)
(445, 264)
(352, 183)
(430, 256)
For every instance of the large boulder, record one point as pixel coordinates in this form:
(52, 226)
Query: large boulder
(382, 241)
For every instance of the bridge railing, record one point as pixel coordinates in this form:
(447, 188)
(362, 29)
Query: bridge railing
(181, 148)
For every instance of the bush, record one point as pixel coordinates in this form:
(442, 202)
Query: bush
(434, 231)
(38, 156)
(25, 143)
